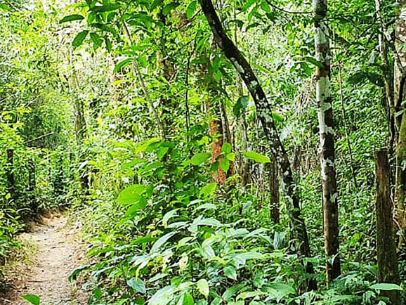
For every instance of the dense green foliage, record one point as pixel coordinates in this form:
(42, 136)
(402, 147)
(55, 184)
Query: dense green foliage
(111, 104)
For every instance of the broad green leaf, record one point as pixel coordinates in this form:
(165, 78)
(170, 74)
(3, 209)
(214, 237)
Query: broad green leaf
(73, 17)
(241, 105)
(256, 157)
(191, 9)
(230, 272)
(230, 292)
(200, 158)
(231, 157)
(163, 296)
(224, 165)
(188, 299)
(168, 216)
(5, 7)
(248, 4)
(386, 286)
(140, 203)
(162, 152)
(250, 294)
(280, 291)
(203, 287)
(137, 284)
(160, 242)
(206, 206)
(227, 148)
(208, 189)
(131, 194)
(33, 299)
(80, 37)
(277, 117)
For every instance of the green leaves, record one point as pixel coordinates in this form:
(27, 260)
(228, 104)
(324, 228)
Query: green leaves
(73, 17)
(200, 158)
(80, 37)
(138, 285)
(121, 64)
(163, 296)
(191, 9)
(131, 194)
(33, 299)
(203, 287)
(256, 157)
(208, 189)
(230, 272)
(386, 286)
(240, 106)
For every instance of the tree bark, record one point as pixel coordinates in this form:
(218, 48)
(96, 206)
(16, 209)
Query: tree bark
(385, 235)
(400, 120)
(327, 150)
(264, 114)
(274, 186)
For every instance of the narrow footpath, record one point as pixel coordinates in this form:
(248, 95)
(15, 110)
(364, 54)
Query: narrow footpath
(57, 257)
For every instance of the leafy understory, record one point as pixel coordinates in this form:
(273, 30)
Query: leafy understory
(211, 152)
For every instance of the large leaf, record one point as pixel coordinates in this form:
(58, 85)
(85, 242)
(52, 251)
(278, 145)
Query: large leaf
(208, 189)
(131, 194)
(386, 286)
(160, 242)
(80, 37)
(203, 287)
(200, 158)
(163, 296)
(138, 285)
(140, 203)
(240, 106)
(256, 157)
(33, 299)
(191, 9)
(73, 17)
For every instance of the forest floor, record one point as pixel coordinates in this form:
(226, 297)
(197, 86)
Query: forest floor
(58, 254)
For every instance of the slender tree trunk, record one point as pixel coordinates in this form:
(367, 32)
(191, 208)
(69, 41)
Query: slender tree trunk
(385, 235)
(264, 113)
(216, 132)
(327, 156)
(400, 121)
(274, 186)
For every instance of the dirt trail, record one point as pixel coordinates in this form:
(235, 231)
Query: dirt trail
(57, 257)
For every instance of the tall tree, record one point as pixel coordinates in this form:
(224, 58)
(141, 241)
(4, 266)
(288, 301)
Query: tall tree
(385, 244)
(326, 126)
(264, 114)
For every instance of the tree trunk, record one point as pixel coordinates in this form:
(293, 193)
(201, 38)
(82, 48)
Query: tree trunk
(264, 113)
(385, 235)
(400, 121)
(274, 186)
(327, 156)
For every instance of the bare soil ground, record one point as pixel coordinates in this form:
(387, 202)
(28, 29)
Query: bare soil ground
(47, 276)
